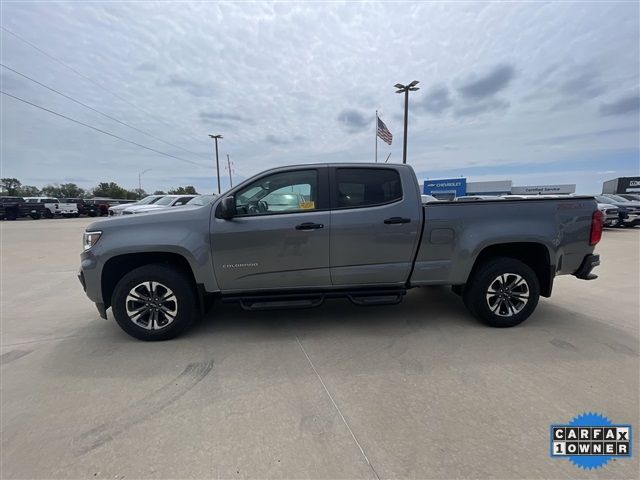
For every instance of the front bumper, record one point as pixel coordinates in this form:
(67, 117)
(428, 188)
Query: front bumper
(89, 277)
(588, 264)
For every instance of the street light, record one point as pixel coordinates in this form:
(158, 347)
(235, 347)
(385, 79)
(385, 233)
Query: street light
(406, 89)
(216, 137)
(140, 181)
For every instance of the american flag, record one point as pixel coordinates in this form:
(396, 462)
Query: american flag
(383, 132)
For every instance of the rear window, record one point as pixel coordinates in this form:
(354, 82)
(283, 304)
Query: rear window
(365, 187)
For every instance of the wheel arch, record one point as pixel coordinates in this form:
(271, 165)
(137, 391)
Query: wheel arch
(118, 266)
(535, 255)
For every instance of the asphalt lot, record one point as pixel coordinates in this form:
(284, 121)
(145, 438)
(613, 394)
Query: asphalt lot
(419, 390)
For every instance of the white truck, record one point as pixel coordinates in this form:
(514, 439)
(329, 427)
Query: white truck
(54, 207)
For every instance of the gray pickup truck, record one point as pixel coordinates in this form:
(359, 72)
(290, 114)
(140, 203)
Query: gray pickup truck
(358, 231)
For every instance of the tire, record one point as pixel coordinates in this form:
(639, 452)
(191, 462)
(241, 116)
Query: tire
(35, 216)
(11, 214)
(47, 213)
(497, 305)
(167, 281)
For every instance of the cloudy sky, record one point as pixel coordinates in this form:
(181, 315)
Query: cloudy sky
(533, 92)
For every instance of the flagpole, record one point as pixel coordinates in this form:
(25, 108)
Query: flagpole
(376, 131)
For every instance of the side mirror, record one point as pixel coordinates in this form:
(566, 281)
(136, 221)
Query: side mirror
(228, 208)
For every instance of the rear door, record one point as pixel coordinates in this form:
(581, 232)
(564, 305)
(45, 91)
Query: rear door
(374, 225)
(279, 238)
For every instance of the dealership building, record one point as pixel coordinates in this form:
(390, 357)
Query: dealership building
(449, 188)
(622, 185)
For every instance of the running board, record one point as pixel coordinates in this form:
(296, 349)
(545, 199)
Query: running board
(285, 300)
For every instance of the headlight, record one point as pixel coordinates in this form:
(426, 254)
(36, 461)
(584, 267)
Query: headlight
(90, 239)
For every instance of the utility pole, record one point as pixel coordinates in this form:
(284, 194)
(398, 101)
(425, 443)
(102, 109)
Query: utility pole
(140, 181)
(229, 167)
(216, 137)
(406, 89)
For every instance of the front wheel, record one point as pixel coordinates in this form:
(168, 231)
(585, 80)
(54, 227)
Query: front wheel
(503, 292)
(154, 302)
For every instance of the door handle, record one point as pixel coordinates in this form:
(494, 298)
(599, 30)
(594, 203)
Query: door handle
(309, 226)
(395, 220)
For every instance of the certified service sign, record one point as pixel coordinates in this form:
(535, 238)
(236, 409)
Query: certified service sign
(590, 440)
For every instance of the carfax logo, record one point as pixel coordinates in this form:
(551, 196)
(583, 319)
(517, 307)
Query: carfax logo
(590, 440)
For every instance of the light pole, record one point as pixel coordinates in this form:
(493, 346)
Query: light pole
(140, 181)
(229, 168)
(406, 89)
(216, 137)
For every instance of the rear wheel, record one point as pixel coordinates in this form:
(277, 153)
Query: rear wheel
(503, 292)
(154, 302)
(35, 215)
(47, 213)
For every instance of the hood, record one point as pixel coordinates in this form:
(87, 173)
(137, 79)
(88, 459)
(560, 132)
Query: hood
(161, 208)
(165, 216)
(122, 206)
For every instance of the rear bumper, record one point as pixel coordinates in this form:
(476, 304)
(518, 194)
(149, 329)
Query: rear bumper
(590, 262)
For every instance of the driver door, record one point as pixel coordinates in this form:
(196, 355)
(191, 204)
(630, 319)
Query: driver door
(279, 238)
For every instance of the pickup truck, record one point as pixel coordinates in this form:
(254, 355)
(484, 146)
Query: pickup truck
(15, 207)
(54, 206)
(358, 231)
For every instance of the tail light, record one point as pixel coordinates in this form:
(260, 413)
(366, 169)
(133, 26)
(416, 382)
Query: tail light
(596, 228)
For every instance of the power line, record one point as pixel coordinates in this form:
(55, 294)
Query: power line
(94, 82)
(100, 130)
(95, 109)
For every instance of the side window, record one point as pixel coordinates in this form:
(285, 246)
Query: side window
(183, 200)
(285, 192)
(365, 187)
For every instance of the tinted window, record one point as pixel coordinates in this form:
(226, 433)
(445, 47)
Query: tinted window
(362, 187)
(279, 193)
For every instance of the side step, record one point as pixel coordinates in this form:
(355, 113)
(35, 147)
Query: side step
(275, 304)
(282, 300)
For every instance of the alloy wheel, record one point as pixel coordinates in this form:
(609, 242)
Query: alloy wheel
(151, 305)
(507, 294)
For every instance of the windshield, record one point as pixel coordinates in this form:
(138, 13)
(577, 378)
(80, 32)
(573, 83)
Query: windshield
(165, 201)
(149, 200)
(202, 200)
(617, 198)
(602, 199)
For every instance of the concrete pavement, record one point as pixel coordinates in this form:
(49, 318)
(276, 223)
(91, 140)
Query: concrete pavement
(419, 390)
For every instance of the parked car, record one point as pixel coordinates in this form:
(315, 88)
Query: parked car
(55, 207)
(84, 207)
(611, 216)
(632, 197)
(148, 200)
(628, 212)
(362, 233)
(166, 201)
(12, 208)
(103, 204)
(428, 198)
(195, 202)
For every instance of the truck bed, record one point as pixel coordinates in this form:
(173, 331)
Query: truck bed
(456, 233)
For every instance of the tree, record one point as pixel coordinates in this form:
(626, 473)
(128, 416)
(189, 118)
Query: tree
(29, 191)
(188, 190)
(11, 186)
(71, 190)
(111, 190)
(51, 191)
(159, 192)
